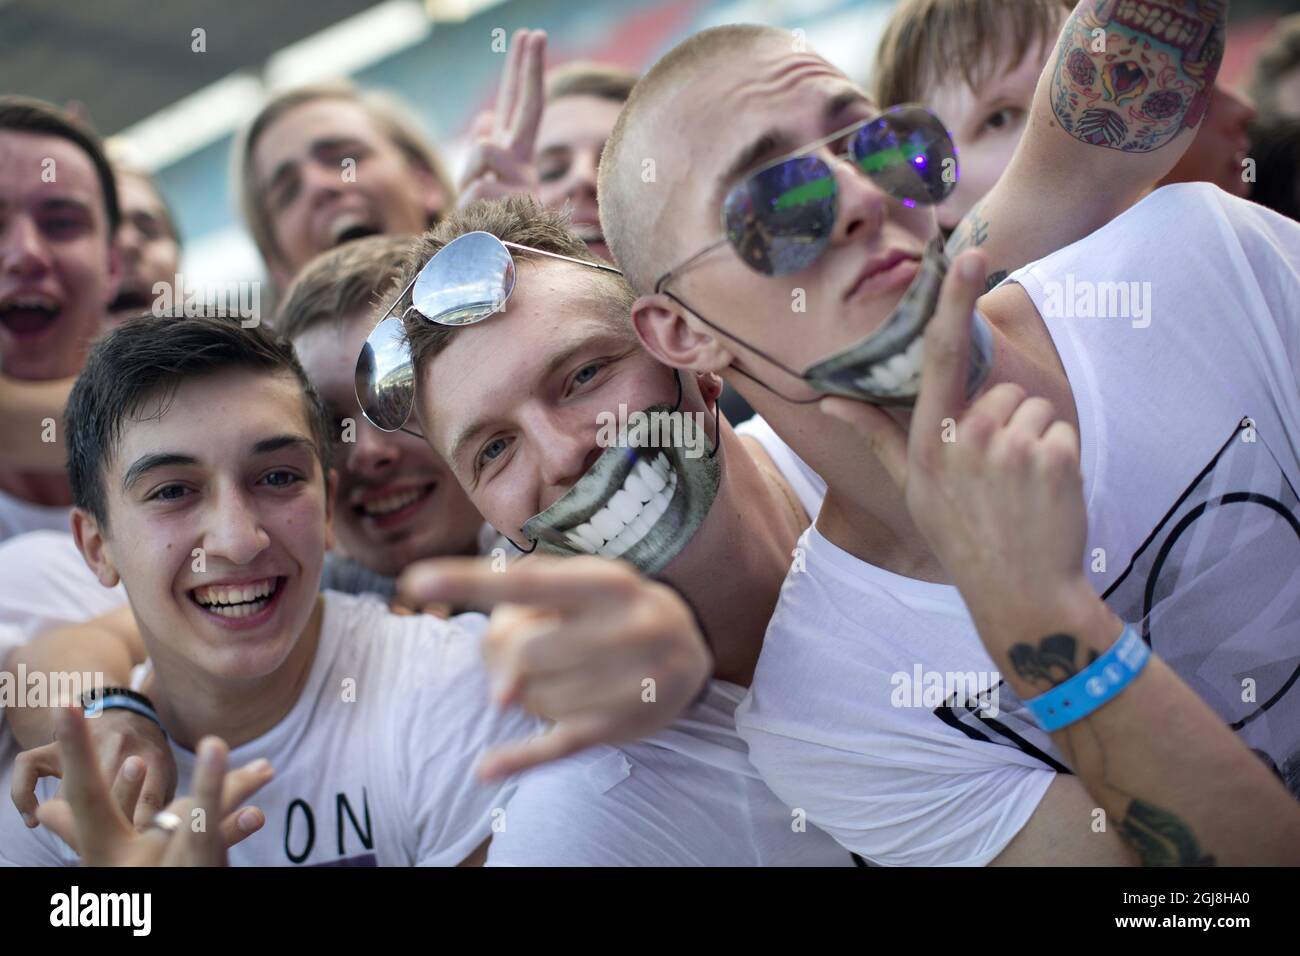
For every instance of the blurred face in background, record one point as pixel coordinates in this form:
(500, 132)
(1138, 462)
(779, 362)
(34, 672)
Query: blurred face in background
(986, 124)
(1221, 145)
(397, 502)
(569, 143)
(58, 264)
(150, 250)
(328, 174)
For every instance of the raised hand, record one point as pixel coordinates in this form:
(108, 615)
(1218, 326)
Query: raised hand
(608, 655)
(95, 819)
(116, 736)
(505, 139)
(994, 488)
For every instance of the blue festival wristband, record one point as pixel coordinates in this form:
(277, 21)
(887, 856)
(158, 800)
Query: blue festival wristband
(1093, 686)
(95, 703)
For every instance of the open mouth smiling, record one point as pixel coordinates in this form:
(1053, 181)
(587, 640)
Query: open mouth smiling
(233, 602)
(29, 314)
(639, 504)
(386, 508)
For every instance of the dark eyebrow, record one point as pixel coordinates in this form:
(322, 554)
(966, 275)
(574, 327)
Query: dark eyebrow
(280, 442)
(147, 463)
(769, 145)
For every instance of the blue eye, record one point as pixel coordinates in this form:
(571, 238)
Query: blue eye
(492, 450)
(582, 378)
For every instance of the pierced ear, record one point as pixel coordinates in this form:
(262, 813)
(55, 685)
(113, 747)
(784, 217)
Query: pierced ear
(675, 337)
(92, 544)
(710, 386)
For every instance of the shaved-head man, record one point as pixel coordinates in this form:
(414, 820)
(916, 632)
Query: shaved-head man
(729, 124)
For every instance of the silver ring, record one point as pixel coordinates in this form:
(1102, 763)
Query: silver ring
(166, 821)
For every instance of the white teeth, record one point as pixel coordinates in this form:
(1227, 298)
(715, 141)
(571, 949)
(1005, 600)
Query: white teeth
(578, 542)
(588, 534)
(637, 486)
(661, 466)
(391, 503)
(606, 524)
(625, 506)
(224, 598)
(631, 513)
(654, 481)
(884, 376)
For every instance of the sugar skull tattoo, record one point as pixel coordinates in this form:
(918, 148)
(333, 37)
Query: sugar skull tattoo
(1130, 74)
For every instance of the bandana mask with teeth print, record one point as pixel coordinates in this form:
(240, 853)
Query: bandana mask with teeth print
(885, 367)
(640, 504)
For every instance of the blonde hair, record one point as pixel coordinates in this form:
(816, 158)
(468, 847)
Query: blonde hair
(929, 41)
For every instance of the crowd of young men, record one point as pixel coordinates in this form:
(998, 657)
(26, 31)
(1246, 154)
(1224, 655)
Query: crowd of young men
(303, 549)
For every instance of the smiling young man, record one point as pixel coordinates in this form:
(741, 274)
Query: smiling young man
(59, 269)
(1159, 397)
(199, 459)
(326, 163)
(396, 501)
(149, 242)
(515, 403)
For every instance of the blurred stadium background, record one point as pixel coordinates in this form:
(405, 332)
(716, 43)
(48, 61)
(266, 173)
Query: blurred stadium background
(132, 67)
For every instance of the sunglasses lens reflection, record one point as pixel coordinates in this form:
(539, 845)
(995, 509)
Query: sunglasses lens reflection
(780, 219)
(907, 153)
(469, 279)
(385, 378)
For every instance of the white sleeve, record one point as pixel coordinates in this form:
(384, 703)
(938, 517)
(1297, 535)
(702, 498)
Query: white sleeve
(922, 810)
(20, 846)
(1271, 244)
(445, 723)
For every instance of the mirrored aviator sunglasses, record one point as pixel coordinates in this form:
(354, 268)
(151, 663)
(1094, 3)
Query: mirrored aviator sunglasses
(780, 218)
(466, 281)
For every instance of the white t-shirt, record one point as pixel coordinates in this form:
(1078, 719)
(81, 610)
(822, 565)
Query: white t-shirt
(18, 517)
(45, 584)
(374, 763)
(686, 796)
(1196, 518)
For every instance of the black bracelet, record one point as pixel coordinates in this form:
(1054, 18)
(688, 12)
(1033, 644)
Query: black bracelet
(99, 699)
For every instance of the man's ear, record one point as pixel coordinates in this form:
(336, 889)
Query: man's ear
(93, 545)
(675, 338)
(331, 489)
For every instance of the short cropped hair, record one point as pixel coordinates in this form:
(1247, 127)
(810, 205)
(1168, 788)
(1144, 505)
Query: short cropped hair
(149, 358)
(23, 114)
(1279, 57)
(623, 216)
(929, 41)
(342, 282)
(518, 219)
(389, 114)
(590, 79)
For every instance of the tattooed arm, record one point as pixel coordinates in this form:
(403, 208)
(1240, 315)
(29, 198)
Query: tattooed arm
(1001, 504)
(1107, 122)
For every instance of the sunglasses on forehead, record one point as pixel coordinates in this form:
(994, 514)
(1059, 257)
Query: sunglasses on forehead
(466, 281)
(779, 219)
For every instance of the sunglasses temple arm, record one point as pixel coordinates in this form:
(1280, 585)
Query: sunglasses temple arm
(681, 267)
(556, 255)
